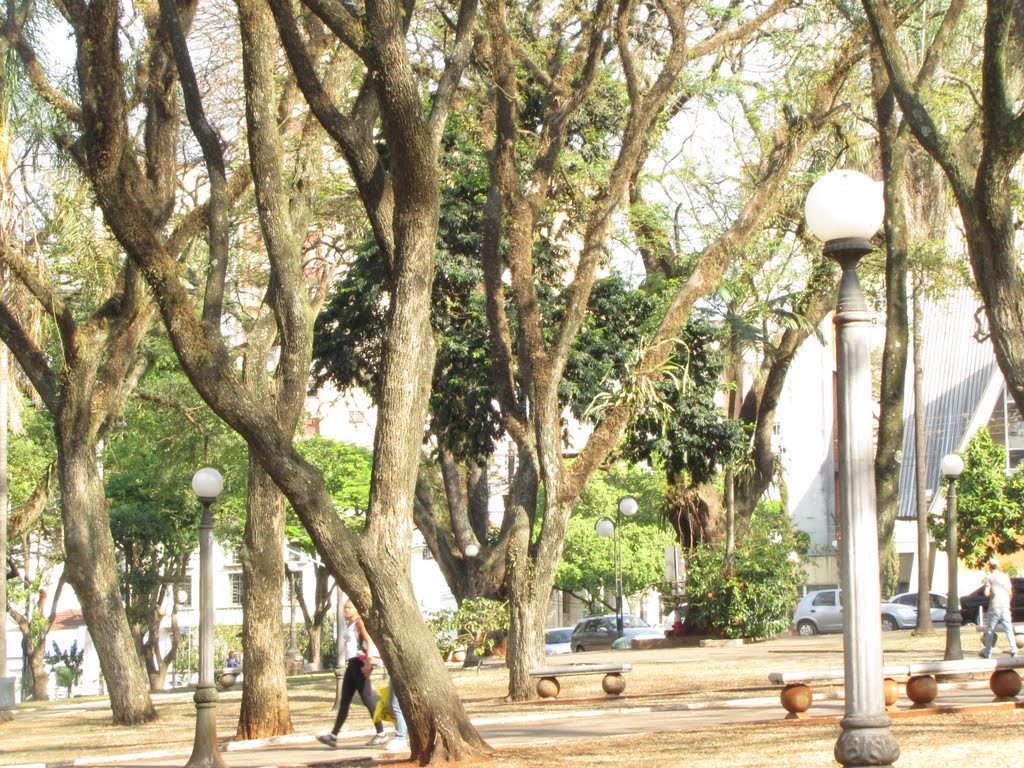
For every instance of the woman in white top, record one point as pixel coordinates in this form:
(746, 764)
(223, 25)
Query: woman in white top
(357, 677)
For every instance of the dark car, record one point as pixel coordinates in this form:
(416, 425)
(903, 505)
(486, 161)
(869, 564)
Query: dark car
(595, 632)
(971, 603)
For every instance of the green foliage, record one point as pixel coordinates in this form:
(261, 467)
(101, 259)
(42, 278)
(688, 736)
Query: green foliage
(166, 435)
(66, 665)
(990, 505)
(346, 469)
(29, 452)
(349, 331)
(476, 622)
(588, 560)
(755, 598)
(691, 438)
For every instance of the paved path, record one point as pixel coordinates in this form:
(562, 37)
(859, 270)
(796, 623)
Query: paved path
(304, 750)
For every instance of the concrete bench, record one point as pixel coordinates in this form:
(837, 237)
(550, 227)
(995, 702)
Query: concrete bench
(613, 683)
(921, 687)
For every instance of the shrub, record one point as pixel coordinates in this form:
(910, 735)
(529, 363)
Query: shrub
(474, 623)
(756, 598)
(66, 665)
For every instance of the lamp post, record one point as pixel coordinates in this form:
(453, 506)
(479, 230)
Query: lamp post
(471, 551)
(606, 527)
(207, 484)
(952, 467)
(293, 658)
(844, 209)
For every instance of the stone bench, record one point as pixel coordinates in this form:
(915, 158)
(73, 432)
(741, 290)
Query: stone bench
(921, 686)
(613, 683)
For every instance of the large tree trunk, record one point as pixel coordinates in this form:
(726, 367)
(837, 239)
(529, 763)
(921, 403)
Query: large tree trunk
(35, 657)
(979, 177)
(91, 568)
(696, 514)
(924, 599)
(894, 354)
(526, 617)
(265, 693)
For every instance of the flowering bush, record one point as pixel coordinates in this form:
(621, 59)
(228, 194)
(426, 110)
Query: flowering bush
(756, 598)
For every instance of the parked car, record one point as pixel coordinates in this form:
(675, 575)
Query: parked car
(970, 603)
(596, 632)
(628, 642)
(938, 604)
(557, 640)
(822, 611)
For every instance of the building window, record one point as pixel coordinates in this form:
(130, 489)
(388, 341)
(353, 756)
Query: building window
(232, 556)
(237, 588)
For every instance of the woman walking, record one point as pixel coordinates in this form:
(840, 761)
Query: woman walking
(357, 677)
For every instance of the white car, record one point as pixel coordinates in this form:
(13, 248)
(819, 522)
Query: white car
(938, 604)
(557, 640)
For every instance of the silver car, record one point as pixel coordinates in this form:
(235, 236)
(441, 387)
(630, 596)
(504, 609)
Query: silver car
(938, 602)
(822, 611)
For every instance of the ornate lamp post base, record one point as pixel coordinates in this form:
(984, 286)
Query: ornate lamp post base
(205, 751)
(866, 741)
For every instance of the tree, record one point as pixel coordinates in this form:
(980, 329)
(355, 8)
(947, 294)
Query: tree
(530, 206)
(82, 372)
(977, 152)
(755, 597)
(346, 470)
(400, 197)
(990, 520)
(587, 567)
(165, 433)
(67, 665)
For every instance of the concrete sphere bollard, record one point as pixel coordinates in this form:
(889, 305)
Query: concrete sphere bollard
(1005, 683)
(892, 691)
(227, 678)
(459, 656)
(613, 684)
(796, 698)
(922, 689)
(548, 687)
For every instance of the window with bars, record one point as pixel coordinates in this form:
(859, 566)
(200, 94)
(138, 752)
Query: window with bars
(237, 584)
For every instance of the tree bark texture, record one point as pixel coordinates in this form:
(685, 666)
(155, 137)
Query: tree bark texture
(893, 147)
(373, 568)
(91, 568)
(265, 693)
(980, 179)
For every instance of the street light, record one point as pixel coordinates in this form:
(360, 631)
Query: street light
(844, 209)
(293, 658)
(606, 527)
(471, 550)
(207, 484)
(952, 467)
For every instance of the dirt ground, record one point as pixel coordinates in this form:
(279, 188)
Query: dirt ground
(659, 676)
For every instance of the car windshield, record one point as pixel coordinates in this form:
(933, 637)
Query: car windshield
(557, 636)
(633, 622)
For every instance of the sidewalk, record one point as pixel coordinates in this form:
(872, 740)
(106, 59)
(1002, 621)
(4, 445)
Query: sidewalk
(641, 716)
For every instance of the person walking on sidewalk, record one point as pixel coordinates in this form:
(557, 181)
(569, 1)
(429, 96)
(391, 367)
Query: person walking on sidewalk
(362, 658)
(999, 590)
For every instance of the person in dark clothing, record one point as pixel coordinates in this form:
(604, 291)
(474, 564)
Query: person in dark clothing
(357, 677)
